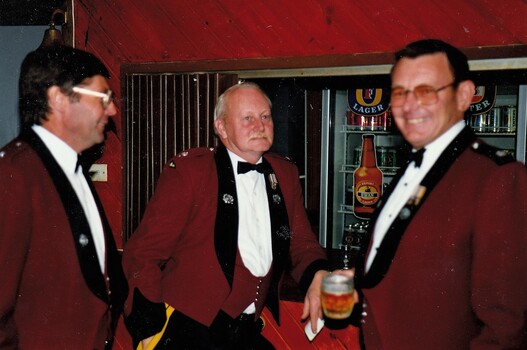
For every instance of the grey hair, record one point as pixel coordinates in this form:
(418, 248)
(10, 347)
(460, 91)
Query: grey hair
(221, 105)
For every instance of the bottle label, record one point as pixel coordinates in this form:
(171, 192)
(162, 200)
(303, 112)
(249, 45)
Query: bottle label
(367, 193)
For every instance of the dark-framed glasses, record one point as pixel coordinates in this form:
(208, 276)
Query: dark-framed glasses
(424, 94)
(106, 97)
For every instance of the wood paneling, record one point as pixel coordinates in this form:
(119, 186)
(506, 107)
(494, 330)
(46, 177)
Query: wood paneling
(231, 29)
(164, 115)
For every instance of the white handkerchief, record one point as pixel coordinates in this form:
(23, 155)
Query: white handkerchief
(309, 333)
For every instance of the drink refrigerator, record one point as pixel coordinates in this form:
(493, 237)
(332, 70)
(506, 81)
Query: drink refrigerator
(498, 115)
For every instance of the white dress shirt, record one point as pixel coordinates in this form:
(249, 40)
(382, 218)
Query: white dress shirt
(254, 227)
(407, 186)
(66, 157)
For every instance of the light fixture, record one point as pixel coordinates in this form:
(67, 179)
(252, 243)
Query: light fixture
(53, 36)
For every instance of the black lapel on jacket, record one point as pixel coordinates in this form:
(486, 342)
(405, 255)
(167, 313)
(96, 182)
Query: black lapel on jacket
(388, 247)
(280, 234)
(365, 242)
(80, 228)
(226, 226)
(114, 270)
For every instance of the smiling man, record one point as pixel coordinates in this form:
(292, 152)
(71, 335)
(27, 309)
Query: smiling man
(445, 267)
(62, 282)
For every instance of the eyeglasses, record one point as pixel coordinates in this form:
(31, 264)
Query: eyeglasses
(424, 94)
(106, 98)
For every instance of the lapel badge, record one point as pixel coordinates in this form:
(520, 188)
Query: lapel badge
(83, 240)
(273, 180)
(276, 198)
(405, 213)
(417, 196)
(172, 164)
(228, 199)
(284, 232)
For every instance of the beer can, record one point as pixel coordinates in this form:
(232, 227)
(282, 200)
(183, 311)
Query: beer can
(391, 157)
(381, 156)
(356, 155)
(386, 120)
(362, 122)
(374, 122)
(508, 118)
(386, 157)
(494, 120)
(479, 122)
(350, 118)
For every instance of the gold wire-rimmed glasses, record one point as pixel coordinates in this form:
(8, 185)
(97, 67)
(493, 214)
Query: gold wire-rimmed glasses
(424, 94)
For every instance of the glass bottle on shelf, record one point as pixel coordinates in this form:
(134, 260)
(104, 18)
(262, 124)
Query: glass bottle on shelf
(367, 180)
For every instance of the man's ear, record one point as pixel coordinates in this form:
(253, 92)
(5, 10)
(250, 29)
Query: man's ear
(219, 124)
(56, 98)
(465, 93)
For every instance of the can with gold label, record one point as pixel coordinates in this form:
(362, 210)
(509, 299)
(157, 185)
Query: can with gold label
(478, 122)
(494, 120)
(508, 118)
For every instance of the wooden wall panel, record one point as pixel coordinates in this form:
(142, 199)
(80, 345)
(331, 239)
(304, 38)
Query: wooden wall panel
(165, 114)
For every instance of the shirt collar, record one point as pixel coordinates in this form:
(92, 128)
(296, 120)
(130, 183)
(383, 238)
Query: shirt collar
(61, 151)
(436, 147)
(235, 159)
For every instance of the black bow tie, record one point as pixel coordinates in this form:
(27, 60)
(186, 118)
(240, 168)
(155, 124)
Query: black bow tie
(416, 157)
(244, 167)
(79, 163)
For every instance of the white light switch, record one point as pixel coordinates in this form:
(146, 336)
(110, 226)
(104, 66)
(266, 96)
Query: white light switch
(99, 172)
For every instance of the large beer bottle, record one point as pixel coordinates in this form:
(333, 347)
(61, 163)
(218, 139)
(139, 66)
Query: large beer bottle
(367, 181)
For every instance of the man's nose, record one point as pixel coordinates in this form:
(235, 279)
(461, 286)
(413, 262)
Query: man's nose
(258, 124)
(111, 110)
(410, 101)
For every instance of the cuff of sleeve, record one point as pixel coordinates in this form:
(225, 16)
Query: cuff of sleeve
(146, 319)
(309, 273)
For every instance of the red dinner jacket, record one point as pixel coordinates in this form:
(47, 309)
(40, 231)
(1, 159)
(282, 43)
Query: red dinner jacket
(172, 257)
(458, 277)
(53, 294)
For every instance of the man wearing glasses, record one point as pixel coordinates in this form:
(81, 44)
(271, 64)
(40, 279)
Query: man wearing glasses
(445, 265)
(62, 281)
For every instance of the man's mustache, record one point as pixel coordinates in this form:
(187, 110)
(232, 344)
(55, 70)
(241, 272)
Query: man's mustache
(258, 135)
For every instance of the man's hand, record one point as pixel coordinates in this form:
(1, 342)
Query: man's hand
(146, 341)
(312, 306)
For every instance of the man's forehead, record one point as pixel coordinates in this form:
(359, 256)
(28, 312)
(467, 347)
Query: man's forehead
(424, 66)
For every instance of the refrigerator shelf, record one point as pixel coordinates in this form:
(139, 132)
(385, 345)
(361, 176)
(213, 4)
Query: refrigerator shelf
(388, 171)
(497, 134)
(354, 129)
(346, 209)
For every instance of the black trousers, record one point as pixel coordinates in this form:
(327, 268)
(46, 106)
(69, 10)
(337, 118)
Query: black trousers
(225, 333)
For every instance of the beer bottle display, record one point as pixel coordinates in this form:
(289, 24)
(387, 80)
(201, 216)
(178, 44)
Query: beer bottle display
(367, 181)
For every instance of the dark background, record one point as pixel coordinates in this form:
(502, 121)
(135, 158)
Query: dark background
(28, 12)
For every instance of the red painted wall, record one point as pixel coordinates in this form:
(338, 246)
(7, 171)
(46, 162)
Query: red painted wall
(131, 31)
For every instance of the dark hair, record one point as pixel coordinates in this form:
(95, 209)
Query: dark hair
(457, 60)
(62, 66)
